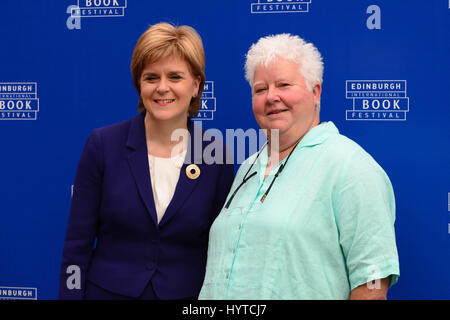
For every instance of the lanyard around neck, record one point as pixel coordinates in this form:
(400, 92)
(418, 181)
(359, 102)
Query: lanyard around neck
(245, 179)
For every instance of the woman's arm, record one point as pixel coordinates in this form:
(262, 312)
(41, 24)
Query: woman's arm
(375, 290)
(83, 220)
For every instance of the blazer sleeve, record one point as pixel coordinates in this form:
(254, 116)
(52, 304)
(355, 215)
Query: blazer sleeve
(83, 220)
(223, 188)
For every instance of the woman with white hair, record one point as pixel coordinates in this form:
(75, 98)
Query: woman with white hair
(311, 215)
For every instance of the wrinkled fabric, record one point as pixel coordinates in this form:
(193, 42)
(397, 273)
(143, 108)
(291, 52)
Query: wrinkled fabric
(326, 227)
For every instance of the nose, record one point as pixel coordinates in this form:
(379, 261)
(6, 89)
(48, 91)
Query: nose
(163, 86)
(272, 95)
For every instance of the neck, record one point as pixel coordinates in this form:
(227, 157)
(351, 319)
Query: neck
(279, 150)
(280, 146)
(161, 136)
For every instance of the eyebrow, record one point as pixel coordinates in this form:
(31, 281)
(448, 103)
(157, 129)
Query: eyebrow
(258, 83)
(263, 82)
(170, 72)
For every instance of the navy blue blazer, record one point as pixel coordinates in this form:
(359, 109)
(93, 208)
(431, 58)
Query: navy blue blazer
(112, 233)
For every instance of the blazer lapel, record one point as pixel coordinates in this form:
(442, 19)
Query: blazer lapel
(185, 185)
(138, 161)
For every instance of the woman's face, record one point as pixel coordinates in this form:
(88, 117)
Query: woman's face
(167, 87)
(282, 101)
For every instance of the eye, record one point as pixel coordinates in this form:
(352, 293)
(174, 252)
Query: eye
(260, 90)
(175, 77)
(284, 84)
(150, 78)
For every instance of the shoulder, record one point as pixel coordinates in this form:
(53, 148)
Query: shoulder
(208, 146)
(112, 138)
(118, 128)
(353, 164)
(341, 149)
(117, 134)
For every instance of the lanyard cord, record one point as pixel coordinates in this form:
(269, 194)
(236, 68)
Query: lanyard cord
(278, 172)
(245, 179)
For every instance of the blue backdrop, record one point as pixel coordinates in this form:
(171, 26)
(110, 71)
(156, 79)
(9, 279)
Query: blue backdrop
(385, 86)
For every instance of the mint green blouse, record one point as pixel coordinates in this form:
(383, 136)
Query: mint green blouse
(326, 227)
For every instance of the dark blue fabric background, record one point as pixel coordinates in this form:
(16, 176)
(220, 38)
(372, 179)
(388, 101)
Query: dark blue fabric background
(83, 82)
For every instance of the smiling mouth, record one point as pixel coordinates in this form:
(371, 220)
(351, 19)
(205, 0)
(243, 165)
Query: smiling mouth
(276, 111)
(164, 101)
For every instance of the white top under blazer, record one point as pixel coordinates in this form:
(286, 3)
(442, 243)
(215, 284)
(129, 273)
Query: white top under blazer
(164, 173)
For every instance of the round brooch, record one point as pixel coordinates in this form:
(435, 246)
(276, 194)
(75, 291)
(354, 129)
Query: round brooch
(192, 171)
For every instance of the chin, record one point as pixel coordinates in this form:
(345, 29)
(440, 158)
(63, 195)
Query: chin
(167, 116)
(274, 125)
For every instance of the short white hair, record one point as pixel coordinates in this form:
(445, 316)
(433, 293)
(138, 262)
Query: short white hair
(290, 47)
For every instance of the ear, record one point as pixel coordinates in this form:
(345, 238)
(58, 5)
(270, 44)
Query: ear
(317, 91)
(197, 82)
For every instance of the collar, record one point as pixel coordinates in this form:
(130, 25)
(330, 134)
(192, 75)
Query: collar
(318, 135)
(136, 138)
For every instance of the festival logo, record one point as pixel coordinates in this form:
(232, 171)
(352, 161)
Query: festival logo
(18, 101)
(94, 9)
(207, 103)
(280, 6)
(377, 100)
(18, 293)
